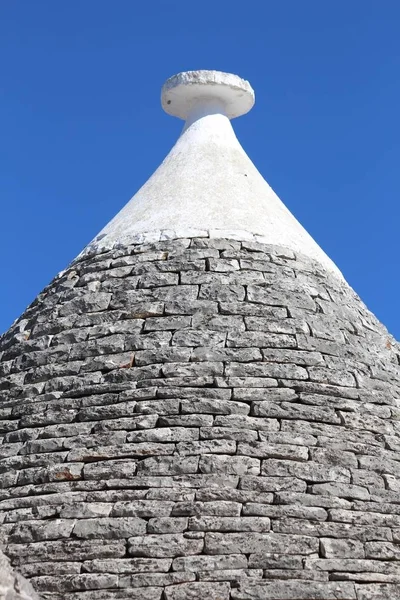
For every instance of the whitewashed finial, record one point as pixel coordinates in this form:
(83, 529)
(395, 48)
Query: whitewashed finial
(206, 91)
(207, 185)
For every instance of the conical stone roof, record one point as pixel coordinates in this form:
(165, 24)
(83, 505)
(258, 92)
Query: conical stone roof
(200, 406)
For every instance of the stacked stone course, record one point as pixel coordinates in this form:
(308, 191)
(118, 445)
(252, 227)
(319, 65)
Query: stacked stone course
(201, 418)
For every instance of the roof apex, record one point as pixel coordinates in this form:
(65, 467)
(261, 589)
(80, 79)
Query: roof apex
(207, 183)
(197, 91)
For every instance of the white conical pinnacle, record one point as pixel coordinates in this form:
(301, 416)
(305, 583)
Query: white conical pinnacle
(207, 185)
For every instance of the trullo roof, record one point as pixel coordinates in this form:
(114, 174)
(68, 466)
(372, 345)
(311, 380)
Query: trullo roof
(200, 406)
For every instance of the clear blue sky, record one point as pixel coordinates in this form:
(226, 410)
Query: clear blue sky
(81, 127)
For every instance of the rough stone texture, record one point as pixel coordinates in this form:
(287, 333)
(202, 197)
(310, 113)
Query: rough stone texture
(200, 418)
(12, 585)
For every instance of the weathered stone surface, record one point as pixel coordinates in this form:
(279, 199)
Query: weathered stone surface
(128, 565)
(193, 591)
(146, 593)
(12, 585)
(164, 546)
(382, 551)
(37, 531)
(50, 568)
(65, 550)
(213, 563)
(309, 471)
(271, 561)
(213, 508)
(341, 490)
(155, 579)
(297, 574)
(265, 450)
(331, 548)
(75, 583)
(253, 524)
(231, 465)
(142, 508)
(167, 525)
(109, 528)
(378, 591)
(236, 543)
(160, 465)
(336, 530)
(279, 511)
(200, 417)
(295, 590)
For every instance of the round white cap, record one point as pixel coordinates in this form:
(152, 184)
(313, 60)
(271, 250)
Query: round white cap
(183, 93)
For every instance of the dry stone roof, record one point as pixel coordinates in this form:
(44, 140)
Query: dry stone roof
(200, 417)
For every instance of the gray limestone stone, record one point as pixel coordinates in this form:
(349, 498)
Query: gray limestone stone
(192, 591)
(253, 524)
(244, 422)
(221, 292)
(128, 565)
(231, 465)
(165, 434)
(193, 307)
(155, 579)
(75, 583)
(37, 531)
(352, 565)
(226, 354)
(214, 563)
(299, 357)
(378, 591)
(110, 469)
(265, 450)
(279, 297)
(298, 574)
(142, 508)
(12, 585)
(199, 338)
(214, 407)
(65, 550)
(279, 512)
(195, 417)
(295, 411)
(309, 471)
(382, 551)
(295, 590)
(164, 354)
(167, 525)
(335, 530)
(309, 500)
(271, 561)
(234, 576)
(273, 484)
(79, 510)
(166, 465)
(228, 433)
(341, 490)
(253, 339)
(274, 370)
(236, 543)
(216, 446)
(49, 568)
(214, 507)
(242, 308)
(166, 323)
(332, 548)
(164, 546)
(109, 528)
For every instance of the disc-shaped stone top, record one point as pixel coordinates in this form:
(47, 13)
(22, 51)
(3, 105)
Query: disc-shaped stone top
(185, 91)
